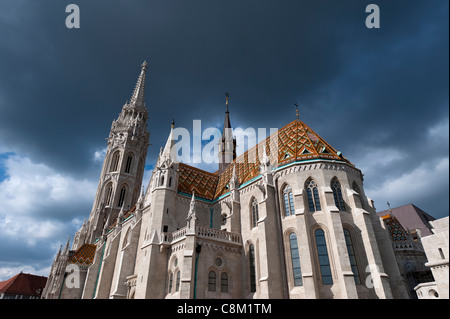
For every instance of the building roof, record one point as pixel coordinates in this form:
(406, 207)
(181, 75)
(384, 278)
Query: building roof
(411, 217)
(84, 255)
(297, 142)
(23, 284)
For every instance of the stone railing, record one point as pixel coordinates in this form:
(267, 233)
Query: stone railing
(220, 235)
(201, 232)
(179, 234)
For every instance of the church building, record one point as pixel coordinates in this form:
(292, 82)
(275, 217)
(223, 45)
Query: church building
(288, 218)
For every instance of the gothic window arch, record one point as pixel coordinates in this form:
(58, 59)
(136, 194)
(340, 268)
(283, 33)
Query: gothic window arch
(324, 261)
(224, 282)
(352, 256)
(337, 194)
(312, 193)
(129, 163)
(212, 279)
(288, 201)
(114, 162)
(108, 194)
(295, 259)
(162, 181)
(252, 266)
(122, 196)
(254, 212)
(177, 281)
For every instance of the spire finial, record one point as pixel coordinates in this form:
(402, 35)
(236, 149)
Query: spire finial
(144, 66)
(296, 109)
(173, 123)
(227, 96)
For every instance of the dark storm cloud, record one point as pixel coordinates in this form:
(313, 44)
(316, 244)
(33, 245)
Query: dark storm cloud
(380, 96)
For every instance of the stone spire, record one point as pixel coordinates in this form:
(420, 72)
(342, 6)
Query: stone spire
(137, 99)
(227, 144)
(169, 151)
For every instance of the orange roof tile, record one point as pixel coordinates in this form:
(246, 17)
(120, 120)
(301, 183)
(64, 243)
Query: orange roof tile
(296, 142)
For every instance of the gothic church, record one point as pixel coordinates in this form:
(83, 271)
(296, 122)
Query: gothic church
(284, 221)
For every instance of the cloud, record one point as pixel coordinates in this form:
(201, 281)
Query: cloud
(40, 209)
(418, 185)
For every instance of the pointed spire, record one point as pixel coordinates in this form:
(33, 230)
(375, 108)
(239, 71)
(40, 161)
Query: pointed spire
(66, 249)
(169, 150)
(137, 99)
(227, 123)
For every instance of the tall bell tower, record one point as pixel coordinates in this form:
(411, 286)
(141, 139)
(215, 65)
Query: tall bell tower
(123, 167)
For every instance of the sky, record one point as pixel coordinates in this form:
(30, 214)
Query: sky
(378, 95)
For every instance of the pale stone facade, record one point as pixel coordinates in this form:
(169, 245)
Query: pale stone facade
(437, 250)
(304, 229)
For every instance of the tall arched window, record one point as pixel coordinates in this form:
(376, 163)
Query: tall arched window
(212, 280)
(251, 259)
(352, 256)
(177, 282)
(108, 194)
(128, 165)
(123, 193)
(255, 213)
(313, 195)
(295, 257)
(288, 201)
(224, 282)
(324, 261)
(337, 193)
(114, 162)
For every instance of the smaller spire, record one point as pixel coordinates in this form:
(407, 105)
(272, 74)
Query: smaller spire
(227, 96)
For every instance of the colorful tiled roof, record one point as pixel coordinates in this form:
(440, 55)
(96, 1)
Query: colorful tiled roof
(84, 255)
(192, 179)
(394, 227)
(23, 284)
(296, 142)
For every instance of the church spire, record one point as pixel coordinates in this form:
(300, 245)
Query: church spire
(227, 145)
(137, 99)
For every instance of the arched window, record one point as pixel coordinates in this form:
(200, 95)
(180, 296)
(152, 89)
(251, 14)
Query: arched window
(295, 257)
(288, 201)
(114, 162)
(255, 213)
(162, 181)
(224, 282)
(170, 182)
(251, 257)
(177, 282)
(108, 194)
(123, 193)
(212, 281)
(128, 165)
(170, 282)
(337, 193)
(324, 261)
(352, 256)
(313, 195)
